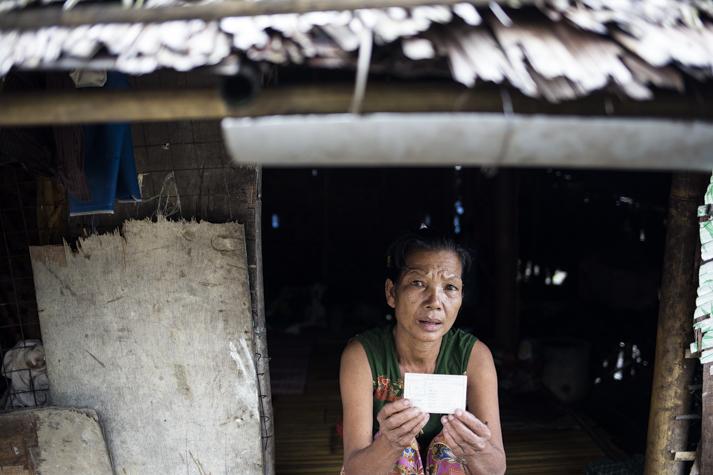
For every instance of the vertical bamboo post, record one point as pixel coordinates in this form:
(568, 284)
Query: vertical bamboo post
(672, 371)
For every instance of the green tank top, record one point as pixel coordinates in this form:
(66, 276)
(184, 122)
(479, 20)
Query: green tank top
(387, 380)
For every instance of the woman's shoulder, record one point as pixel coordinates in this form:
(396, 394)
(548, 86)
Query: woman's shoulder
(460, 341)
(457, 334)
(374, 339)
(456, 350)
(354, 352)
(482, 363)
(377, 345)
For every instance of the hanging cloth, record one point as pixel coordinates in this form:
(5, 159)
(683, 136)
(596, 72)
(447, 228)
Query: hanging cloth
(109, 165)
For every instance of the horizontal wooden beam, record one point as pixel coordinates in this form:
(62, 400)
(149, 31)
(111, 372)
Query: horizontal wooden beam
(84, 15)
(86, 106)
(96, 106)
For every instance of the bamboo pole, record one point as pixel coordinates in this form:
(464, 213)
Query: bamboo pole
(93, 106)
(144, 105)
(672, 371)
(85, 15)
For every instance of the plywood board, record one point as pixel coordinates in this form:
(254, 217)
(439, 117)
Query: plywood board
(152, 328)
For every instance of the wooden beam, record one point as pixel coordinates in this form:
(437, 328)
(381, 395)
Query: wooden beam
(93, 106)
(142, 105)
(672, 371)
(85, 15)
(96, 106)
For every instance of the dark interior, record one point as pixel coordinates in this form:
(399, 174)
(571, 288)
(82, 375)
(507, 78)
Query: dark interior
(584, 249)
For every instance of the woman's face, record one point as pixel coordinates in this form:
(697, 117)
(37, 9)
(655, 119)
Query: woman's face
(428, 295)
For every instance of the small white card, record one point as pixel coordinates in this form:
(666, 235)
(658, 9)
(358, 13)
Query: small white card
(436, 393)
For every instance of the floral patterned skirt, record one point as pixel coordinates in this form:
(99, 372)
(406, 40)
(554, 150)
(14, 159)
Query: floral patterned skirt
(439, 460)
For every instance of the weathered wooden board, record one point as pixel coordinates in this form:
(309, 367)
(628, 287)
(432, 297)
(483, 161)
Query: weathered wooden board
(52, 441)
(152, 328)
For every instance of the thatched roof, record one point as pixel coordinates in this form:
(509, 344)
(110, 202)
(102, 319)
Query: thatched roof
(553, 49)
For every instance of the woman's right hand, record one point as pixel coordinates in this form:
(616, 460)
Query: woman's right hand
(400, 423)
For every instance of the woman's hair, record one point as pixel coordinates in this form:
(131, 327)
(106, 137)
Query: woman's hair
(425, 239)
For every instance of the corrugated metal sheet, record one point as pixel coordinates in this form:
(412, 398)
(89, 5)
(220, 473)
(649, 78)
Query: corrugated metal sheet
(558, 50)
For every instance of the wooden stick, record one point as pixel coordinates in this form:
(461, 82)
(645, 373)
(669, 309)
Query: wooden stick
(142, 105)
(672, 371)
(93, 106)
(260, 330)
(96, 106)
(85, 15)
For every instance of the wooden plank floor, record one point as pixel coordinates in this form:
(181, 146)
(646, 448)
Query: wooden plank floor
(539, 437)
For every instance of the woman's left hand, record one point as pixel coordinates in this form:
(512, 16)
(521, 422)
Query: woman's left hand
(465, 434)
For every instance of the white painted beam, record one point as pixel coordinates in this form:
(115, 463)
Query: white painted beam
(439, 139)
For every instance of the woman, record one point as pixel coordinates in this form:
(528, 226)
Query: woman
(383, 433)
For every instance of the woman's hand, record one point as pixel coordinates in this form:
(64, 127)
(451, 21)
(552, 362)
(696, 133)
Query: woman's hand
(400, 423)
(465, 434)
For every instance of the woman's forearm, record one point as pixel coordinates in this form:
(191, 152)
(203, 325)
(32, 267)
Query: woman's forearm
(376, 459)
(490, 461)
